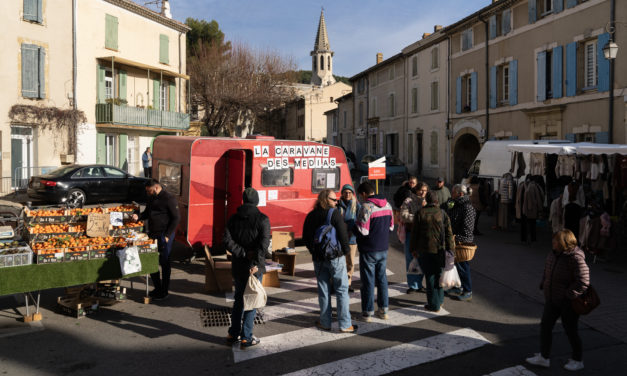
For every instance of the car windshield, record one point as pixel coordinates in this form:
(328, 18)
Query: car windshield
(61, 171)
(392, 160)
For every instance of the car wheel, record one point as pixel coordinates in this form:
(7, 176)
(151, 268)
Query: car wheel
(76, 198)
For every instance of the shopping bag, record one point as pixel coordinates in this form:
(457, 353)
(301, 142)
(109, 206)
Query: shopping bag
(585, 303)
(254, 294)
(450, 279)
(129, 260)
(414, 267)
(401, 233)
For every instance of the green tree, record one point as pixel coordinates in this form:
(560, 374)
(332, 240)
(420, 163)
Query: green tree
(204, 32)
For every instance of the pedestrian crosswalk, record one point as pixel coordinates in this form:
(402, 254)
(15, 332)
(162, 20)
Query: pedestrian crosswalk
(303, 312)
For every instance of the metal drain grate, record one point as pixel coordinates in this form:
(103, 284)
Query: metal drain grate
(221, 316)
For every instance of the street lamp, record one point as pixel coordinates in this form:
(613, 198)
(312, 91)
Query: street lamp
(610, 50)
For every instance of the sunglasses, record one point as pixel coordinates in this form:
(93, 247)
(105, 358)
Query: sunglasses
(333, 199)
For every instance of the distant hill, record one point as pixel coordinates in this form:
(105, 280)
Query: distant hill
(304, 77)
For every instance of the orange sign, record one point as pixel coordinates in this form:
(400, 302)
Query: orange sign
(376, 173)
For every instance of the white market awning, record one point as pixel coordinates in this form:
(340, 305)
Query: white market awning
(581, 148)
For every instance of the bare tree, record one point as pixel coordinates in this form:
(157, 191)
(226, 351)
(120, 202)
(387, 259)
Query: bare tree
(234, 85)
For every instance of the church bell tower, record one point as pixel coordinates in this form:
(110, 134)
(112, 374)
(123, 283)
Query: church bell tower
(322, 57)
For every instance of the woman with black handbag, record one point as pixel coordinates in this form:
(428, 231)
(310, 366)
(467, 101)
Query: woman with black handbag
(566, 277)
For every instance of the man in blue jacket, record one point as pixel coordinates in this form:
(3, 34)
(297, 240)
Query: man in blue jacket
(349, 207)
(374, 222)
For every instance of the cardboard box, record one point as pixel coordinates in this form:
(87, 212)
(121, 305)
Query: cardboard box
(282, 239)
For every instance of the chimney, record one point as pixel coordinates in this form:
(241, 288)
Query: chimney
(494, 1)
(425, 35)
(437, 28)
(165, 9)
(379, 57)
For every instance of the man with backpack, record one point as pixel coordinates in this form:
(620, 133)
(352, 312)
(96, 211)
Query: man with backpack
(324, 234)
(247, 237)
(374, 223)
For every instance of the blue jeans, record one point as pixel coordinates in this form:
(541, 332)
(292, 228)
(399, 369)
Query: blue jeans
(333, 271)
(163, 284)
(372, 267)
(414, 281)
(237, 329)
(463, 269)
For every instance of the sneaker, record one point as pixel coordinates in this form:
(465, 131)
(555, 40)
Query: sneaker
(321, 327)
(231, 339)
(422, 290)
(412, 291)
(453, 292)
(351, 329)
(246, 343)
(539, 360)
(383, 315)
(366, 318)
(465, 297)
(430, 309)
(160, 296)
(573, 365)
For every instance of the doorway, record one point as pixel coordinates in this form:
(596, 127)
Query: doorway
(21, 156)
(466, 149)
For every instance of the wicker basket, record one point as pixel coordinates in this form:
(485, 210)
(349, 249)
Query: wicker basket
(464, 251)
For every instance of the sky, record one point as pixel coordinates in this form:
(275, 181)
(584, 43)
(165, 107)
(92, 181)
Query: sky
(357, 29)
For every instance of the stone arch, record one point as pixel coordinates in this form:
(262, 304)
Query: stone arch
(466, 148)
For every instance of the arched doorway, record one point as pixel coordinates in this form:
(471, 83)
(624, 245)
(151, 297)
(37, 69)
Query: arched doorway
(466, 149)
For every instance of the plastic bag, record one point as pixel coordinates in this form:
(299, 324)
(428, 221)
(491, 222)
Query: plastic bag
(129, 260)
(254, 295)
(401, 233)
(414, 267)
(450, 279)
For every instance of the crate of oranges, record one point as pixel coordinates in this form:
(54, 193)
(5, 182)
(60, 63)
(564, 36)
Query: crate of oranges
(38, 232)
(128, 228)
(50, 215)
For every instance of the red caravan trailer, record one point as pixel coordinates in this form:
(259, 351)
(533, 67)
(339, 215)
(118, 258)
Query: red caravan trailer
(209, 174)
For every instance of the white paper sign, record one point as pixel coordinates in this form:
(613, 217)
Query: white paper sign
(262, 198)
(116, 218)
(273, 195)
(330, 180)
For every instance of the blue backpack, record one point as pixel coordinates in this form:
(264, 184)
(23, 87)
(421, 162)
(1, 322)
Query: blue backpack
(325, 240)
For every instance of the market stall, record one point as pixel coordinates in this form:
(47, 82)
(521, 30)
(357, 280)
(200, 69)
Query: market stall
(52, 248)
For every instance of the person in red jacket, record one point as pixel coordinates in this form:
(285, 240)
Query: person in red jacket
(566, 277)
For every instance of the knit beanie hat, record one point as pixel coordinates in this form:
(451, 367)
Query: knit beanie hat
(349, 187)
(250, 196)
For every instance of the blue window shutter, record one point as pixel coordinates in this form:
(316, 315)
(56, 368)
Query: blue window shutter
(458, 95)
(533, 16)
(570, 137)
(558, 6)
(30, 10)
(602, 137)
(513, 82)
(513, 137)
(41, 74)
(541, 69)
(40, 17)
(570, 3)
(30, 71)
(571, 69)
(493, 87)
(603, 65)
(473, 89)
(558, 53)
(506, 21)
(492, 138)
(493, 27)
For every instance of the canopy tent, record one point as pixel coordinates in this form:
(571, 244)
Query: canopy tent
(581, 148)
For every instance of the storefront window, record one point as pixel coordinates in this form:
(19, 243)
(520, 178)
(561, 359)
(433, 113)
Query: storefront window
(170, 177)
(322, 178)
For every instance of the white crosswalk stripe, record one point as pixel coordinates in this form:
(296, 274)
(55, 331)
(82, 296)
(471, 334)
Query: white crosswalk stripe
(513, 371)
(313, 336)
(401, 356)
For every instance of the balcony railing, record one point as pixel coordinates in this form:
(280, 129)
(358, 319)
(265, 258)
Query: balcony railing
(141, 117)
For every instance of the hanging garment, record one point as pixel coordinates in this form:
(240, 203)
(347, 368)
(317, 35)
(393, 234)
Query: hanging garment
(565, 165)
(506, 189)
(536, 162)
(556, 215)
(584, 168)
(581, 197)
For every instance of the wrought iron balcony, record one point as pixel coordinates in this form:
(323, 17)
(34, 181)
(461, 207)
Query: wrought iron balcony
(110, 113)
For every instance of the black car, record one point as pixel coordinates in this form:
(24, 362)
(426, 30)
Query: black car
(76, 185)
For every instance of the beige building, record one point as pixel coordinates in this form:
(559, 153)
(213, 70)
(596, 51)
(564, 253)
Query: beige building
(131, 80)
(535, 70)
(36, 72)
(340, 123)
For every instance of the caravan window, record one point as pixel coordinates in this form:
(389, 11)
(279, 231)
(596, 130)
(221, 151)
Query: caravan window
(322, 178)
(277, 178)
(170, 177)
(474, 169)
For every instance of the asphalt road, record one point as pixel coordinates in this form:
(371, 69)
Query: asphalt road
(492, 334)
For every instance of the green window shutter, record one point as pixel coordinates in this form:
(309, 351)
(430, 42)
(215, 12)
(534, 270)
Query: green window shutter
(41, 73)
(172, 96)
(155, 94)
(101, 157)
(164, 45)
(30, 71)
(111, 32)
(31, 10)
(122, 88)
(100, 84)
(123, 165)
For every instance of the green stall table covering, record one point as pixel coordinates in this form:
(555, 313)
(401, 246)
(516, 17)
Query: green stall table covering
(35, 277)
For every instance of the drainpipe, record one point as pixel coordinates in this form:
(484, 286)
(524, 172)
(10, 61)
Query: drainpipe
(487, 79)
(612, 36)
(449, 131)
(74, 65)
